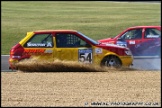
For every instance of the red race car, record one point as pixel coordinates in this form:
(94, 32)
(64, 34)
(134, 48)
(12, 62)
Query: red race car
(142, 40)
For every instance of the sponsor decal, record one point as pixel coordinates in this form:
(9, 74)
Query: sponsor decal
(152, 36)
(132, 42)
(34, 51)
(85, 55)
(98, 50)
(48, 51)
(49, 44)
(29, 44)
(120, 43)
(114, 45)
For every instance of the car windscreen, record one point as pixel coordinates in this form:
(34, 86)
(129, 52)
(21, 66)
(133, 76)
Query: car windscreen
(91, 40)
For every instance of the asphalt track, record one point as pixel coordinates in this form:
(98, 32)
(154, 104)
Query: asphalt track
(142, 63)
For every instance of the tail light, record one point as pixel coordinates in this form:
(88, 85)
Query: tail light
(16, 52)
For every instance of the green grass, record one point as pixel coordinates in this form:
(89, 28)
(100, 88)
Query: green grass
(95, 19)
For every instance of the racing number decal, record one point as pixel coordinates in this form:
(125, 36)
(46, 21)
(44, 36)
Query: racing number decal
(85, 55)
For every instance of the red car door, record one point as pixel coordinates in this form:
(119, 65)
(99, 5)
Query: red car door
(151, 42)
(133, 37)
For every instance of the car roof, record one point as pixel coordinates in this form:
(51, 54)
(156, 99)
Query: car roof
(152, 26)
(49, 31)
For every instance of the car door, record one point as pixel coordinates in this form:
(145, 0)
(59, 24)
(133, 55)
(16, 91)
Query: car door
(151, 42)
(72, 48)
(41, 46)
(133, 38)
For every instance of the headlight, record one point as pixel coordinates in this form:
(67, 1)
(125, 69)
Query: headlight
(128, 52)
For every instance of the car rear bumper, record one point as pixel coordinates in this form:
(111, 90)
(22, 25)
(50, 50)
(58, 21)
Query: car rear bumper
(12, 64)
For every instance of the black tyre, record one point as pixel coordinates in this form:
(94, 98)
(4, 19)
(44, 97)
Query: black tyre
(111, 61)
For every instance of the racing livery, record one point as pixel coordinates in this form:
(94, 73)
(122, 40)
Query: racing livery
(141, 40)
(68, 45)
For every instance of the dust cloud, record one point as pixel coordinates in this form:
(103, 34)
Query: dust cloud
(37, 65)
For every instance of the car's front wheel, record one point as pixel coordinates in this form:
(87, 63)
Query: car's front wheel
(111, 61)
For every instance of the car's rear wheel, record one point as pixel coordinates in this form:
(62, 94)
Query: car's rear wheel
(111, 61)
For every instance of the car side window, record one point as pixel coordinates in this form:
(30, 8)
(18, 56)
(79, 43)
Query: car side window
(69, 40)
(152, 33)
(40, 40)
(132, 34)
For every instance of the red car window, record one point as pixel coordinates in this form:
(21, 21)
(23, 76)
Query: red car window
(152, 33)
(132, 34)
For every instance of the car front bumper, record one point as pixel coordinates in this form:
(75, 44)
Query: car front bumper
(127, 60)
